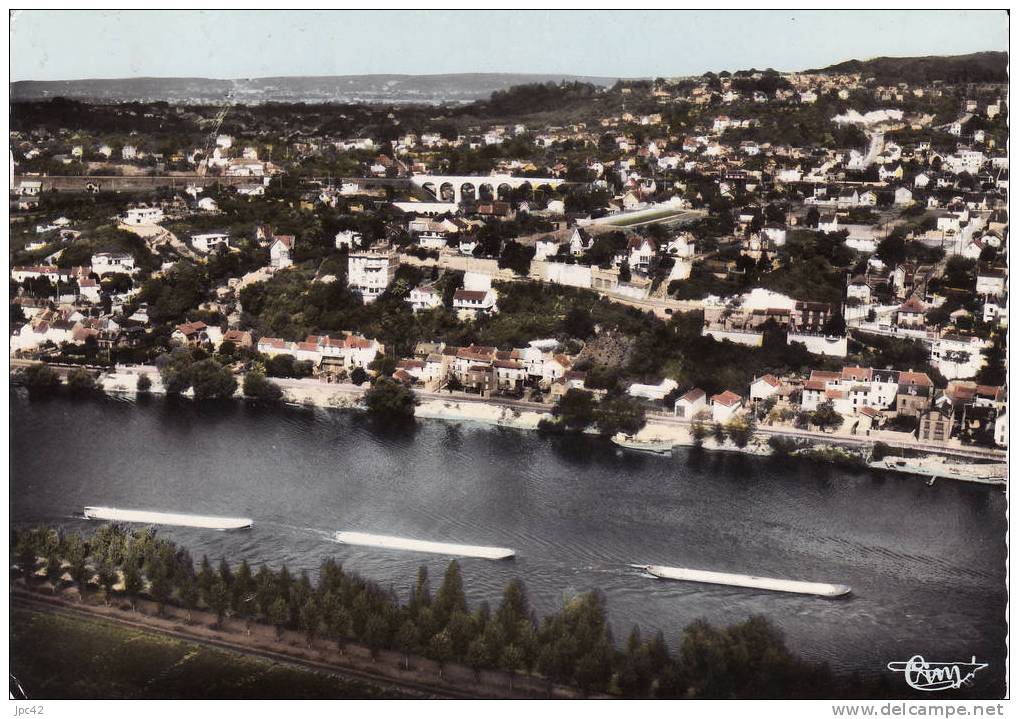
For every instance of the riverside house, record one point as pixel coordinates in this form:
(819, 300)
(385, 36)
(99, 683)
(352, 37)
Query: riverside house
(724, 406)
(324, 351)
(690, 404)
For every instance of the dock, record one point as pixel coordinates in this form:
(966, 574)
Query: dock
(383, 541)
(820, 589)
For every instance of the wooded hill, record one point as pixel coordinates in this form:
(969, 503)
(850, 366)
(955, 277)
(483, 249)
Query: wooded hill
(976, 67)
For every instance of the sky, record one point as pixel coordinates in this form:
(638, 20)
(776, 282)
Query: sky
(78, 44)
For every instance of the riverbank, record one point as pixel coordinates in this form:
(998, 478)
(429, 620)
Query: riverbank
(661, 435)
(389, 673)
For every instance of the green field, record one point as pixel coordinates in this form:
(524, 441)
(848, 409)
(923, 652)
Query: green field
(62, 657)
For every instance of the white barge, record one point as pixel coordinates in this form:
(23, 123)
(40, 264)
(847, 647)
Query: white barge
(383, 541)
(820, 589)
(112, 514)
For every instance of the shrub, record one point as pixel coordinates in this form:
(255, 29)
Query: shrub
(256, 386)
(211, 380)
(41, 379)
(81, 381)
(390, 400)
(358, 376)
(782, 446)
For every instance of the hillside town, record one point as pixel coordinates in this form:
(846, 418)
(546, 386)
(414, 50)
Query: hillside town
(553, 353)
(824, 253)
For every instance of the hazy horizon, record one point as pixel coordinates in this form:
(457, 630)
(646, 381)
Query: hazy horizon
(465, 73)
(612, 44)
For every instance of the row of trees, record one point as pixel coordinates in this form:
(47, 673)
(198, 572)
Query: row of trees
(572, 646)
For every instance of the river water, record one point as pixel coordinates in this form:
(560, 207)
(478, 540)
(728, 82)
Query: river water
(926, 564)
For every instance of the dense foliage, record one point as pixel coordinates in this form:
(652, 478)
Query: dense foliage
(572, 646)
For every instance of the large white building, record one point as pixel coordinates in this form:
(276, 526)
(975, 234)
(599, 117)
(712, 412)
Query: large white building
(369, 272)
(104, 263)
(142, 216)
(209, 241)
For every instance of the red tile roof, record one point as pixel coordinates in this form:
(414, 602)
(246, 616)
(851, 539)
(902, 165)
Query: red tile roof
(693, 395)
(726, 398)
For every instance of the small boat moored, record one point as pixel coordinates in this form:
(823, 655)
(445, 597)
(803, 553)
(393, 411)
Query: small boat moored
(820, 589)
(112, 514)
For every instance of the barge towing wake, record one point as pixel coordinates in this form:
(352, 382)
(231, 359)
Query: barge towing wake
(820, 589)
(417, 545)
(112, 514)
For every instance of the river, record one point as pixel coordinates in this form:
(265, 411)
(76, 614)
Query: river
(926, 564)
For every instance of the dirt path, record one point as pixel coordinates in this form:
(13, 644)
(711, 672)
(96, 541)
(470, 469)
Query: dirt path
(421, 677)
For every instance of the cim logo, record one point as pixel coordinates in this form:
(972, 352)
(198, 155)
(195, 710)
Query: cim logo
(927, 676)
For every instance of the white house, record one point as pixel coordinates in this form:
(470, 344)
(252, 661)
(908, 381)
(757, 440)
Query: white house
(470, 304)
(348, 239)
(828, 223)
(88, 289)
(207, 204)
(207, 242)
(958, 357)
(655, 392)
(641, 251)
(51, 272)
(903, 197)
(434, 241)
(369, 272)
(991, 283)
(104, 263)
(580, 242)
(859, 289)
(862, 238)
(279, 251)
(545, 247)
(424, 297)
(30, 187)
(690, 404)
(764, 387)
(253, 190)
(724, 406)
(682, 246)
(142, 215)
